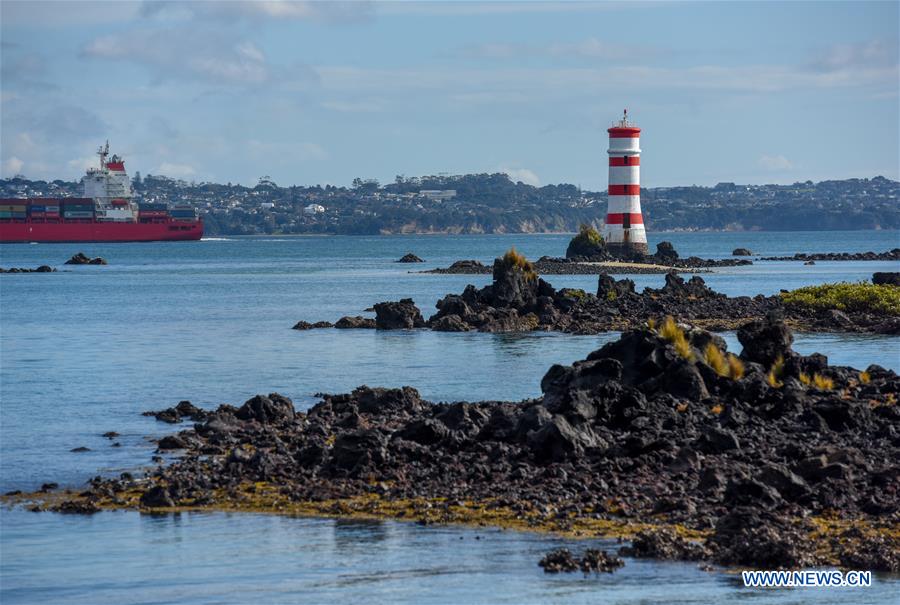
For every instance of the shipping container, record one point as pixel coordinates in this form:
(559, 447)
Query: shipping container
(78, 214)
(35, 208)
(12, 207)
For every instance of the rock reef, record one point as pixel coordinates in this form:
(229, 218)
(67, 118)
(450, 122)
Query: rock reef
(518, 300)
(768, 459)
(893, 254)
(410, 258)
(41, 269)
(587, 254)
(593, 561)
(82, 259)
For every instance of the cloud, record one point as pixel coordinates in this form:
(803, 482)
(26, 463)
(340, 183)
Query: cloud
(80, 165)
(209, 56)
(51, 122)
(12, 166)
(332, 11)
(539, 84)
(22, 144)
(177, 171)
(24, 70)
(522, 174)
(192, 54)
(590, 48)
(286, 152)
(502, 7)
(56, 13)
(361, 106)
(843, 56)
(775, 163)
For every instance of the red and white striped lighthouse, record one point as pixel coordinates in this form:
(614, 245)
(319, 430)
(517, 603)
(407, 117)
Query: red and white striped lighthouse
(625, 234)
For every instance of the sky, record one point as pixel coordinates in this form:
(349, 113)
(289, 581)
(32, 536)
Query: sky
(319, 93)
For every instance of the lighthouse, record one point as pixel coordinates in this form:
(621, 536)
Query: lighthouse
(625, 234)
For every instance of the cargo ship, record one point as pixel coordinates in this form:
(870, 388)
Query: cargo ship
(108, 212)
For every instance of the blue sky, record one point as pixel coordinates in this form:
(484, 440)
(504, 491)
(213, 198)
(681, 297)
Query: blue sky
(752, 92)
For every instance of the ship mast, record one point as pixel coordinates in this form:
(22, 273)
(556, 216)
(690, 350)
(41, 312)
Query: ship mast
(103, 151)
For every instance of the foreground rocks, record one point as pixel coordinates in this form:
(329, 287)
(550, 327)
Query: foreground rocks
(663, 433)
(83, 259)
(520, 301)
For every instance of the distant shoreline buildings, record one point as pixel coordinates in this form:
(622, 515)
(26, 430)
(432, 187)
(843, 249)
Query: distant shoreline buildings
(493, 203)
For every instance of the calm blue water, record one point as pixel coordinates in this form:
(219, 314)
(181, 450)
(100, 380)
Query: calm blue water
(85, 351)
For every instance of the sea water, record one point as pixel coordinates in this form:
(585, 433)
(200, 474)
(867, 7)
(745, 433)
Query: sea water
(86, 350)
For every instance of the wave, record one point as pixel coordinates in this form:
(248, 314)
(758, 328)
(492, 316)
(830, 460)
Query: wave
(217, 239)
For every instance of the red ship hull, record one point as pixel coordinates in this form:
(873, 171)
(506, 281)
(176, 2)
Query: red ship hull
(96, 231)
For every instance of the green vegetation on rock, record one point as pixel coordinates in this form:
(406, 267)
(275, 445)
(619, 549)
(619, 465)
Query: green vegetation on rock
(515, 259)
(855, 297)
(587, 243)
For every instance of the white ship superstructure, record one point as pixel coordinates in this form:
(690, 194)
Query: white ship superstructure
(110, 188)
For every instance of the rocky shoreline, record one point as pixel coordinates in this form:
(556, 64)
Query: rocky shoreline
(518, 300)
(769, 459)
(893, 254)
(547, 265)
(561, 266)
(78, 259)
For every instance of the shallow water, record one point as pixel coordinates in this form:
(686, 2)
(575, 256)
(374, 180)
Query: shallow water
(85, 351)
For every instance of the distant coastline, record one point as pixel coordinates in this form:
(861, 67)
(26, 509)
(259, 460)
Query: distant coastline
(494, 204)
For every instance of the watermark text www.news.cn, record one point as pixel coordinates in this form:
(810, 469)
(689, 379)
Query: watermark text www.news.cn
(800, 579)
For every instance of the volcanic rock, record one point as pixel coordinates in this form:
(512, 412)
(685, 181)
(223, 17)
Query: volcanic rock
(267, 410)
(891, 278)
(82, 259)
(41, 269)
(663, 543)
(666, 252)
(561, 560)
(305, 325)
(587, 245)
(355, 322)
(402, 315)
(157, 497)
(765, 340)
